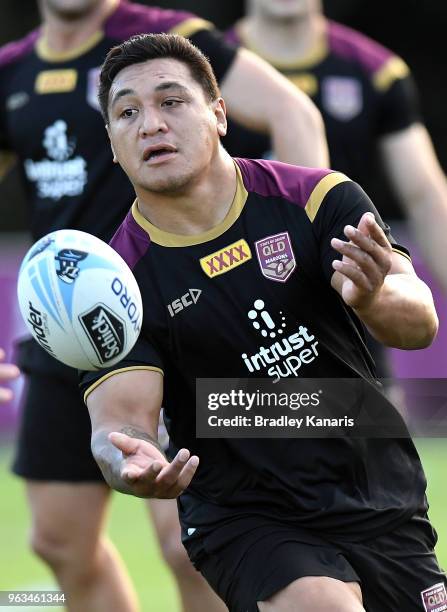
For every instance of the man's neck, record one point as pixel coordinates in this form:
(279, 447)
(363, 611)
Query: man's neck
(62, 35)
(283, 41)
(197, 209)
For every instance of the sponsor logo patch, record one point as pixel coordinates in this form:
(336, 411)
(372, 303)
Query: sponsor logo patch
(276, 257)
(288, 351)
(434, 598)
(56, 81)
(17, 100)
(226, 259)
(342, 97)
(306, 82)
(188, 299)
(57, 175)
(105, 330)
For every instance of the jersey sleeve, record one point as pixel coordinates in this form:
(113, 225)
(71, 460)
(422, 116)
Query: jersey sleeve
(343, 204)
(204, 35)
(143, 356)
(220, 53)
(398, 99)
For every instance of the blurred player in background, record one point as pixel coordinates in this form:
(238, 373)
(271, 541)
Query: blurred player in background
(312, 524)
(49, 117)
(369, 105)
(8, 372)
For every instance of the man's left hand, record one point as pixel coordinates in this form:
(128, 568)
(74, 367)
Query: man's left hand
(367, 259)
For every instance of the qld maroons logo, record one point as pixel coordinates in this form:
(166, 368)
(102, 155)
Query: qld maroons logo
(342, 97)
(434, 598)
(276, 257)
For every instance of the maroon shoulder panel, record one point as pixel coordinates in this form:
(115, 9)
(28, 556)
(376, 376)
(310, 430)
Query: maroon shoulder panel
(130, 241)
(130, 19)
(272, 178)
(352, 45)
(232, 37)
(14, 51)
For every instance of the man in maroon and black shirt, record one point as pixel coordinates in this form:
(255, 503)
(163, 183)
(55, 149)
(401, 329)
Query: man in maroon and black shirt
(245, 272)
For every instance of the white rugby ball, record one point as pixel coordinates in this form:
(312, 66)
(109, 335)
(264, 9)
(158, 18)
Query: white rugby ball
(79, 299)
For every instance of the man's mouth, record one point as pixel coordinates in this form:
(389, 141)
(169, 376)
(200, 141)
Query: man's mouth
(158, 152)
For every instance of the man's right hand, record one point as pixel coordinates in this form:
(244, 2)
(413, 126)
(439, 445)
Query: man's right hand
(146, 470)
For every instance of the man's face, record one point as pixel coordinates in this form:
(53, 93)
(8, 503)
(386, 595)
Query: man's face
(284, 9)
(71, 9)
(163, 130)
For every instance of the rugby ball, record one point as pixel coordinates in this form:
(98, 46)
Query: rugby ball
(79, 299)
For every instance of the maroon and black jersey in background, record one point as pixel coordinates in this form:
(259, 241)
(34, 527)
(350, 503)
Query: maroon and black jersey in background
(352, 487)
(50, 118)
(363, 91)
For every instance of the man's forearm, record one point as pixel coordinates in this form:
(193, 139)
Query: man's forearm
(259, 98)
(298, 134)
(402, 315)
(428, 218)
(109, 458)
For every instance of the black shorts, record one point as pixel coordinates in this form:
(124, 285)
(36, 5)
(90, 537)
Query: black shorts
(55, 432)
(260, 558)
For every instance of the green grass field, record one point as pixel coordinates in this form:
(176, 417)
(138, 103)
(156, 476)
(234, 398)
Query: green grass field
(133, 536)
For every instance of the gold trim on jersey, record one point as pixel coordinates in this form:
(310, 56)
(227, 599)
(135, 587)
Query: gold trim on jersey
(7, 161)
(110, 374)
(305, 81)
(189, 27)
(168, 239)
(315, 55)
(56, 81)
(393, 69)
(399, 252)
(320, 191)
(47, 54)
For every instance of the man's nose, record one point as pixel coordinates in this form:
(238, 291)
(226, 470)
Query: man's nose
(152, 123)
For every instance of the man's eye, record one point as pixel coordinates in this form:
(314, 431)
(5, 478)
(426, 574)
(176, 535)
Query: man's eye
(128, 112)
(171, 103)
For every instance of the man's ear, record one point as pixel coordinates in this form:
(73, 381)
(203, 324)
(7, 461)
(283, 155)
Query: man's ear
(220, 112)
(115, 161)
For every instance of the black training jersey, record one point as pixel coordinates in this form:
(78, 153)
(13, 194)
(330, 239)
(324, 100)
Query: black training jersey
(363, 92)
(199, 297)
(50, 118)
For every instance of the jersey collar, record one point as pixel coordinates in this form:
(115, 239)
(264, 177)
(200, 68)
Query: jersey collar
(314, 57)
(167, 239)
(46, 54)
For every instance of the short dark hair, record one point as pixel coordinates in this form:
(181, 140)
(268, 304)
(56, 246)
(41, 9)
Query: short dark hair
(144, 47)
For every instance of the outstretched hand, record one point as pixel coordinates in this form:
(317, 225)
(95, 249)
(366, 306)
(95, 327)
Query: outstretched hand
(8, 372)
(146, 470)
(367, 259)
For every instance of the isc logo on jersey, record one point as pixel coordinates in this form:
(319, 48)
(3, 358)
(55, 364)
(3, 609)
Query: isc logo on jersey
(79, 300)
(188, 299)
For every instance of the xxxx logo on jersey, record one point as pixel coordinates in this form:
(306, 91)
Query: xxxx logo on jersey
(226, 259)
